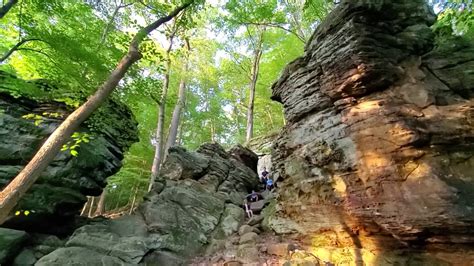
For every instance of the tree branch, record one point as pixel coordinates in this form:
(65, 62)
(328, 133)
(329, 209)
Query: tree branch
(16, 48)
(5, 8)
(273, 25)
(15, 190)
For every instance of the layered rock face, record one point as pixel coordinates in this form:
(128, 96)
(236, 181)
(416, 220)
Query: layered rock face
(61, 191)
(195, 204)
(262, 145)
(377, 158)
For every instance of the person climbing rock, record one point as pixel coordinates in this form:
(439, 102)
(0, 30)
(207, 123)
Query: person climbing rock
(254, 196)
(270, 184)
(247, 209)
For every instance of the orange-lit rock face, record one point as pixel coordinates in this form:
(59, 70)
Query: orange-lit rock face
(378, 153)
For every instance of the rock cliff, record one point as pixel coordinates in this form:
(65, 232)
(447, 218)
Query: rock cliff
(195, 204)
(60, 192)
(377, 160)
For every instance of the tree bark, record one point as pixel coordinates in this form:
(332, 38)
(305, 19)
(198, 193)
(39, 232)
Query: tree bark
(5, 8)
(175, 120)
(270, 118)
(134, 199)
(101, 204)
(85, 206)
(155, 168)
(253, 85)
(11, 194)
(91, 207)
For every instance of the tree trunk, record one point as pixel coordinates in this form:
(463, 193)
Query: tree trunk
(179, 140)
(213, 132)
(270, 118)
(101, 204)
(175, 120)
(253, 84)
(11, 194)
(5, 8)
(134, 199)
(155, 168)
(91, 207)
(85, 206)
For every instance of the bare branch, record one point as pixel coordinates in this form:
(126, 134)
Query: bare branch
(274, 25)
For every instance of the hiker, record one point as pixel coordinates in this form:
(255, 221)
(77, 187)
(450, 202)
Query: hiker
(264, 175)
(270, 185)
(248, 210)
(254, 196)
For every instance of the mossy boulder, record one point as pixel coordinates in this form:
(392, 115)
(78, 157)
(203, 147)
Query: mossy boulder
(60, 192)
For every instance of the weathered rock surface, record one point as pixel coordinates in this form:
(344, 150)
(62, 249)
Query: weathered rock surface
(61, 190)
(10, 243)
(377, 158)
(261, 145)
(191, 207)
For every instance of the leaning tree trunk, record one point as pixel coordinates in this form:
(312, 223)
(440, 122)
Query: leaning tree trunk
(173, 132)
(89, 214)
(101, 204)
(5, 8)
(253, 85)
(11, 194)
(155, 168)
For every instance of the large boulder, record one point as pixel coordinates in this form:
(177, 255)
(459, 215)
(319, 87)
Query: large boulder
(10, 243)
(61, 190)
(377, 156)
(190, 208)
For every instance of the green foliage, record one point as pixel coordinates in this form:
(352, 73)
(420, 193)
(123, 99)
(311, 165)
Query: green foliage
(36, 118)
(455, 19)
(78, 43)
(74, 144)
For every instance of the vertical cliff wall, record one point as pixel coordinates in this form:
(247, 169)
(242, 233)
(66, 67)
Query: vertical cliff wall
(377, 159)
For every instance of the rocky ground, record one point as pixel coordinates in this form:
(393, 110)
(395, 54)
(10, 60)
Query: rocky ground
(252, 245)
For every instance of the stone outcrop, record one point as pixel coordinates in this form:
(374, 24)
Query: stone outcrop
(194, 205)
(261, 145)
(61, 191)
(377, 160)
(10, 243)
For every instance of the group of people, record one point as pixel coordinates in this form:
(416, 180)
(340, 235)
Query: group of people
(254, 196)
(267, 180)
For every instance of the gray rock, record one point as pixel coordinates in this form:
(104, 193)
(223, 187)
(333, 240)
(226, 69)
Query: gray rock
(78, 256)
(248, 252)
(61, 190)
(164, 258)
(26, 257)
(10, 243)
(231, 219)
(248, 238)
(245, 229)
(257, 206)
(256, 219)
(107, 240)
(246, 156)
(190, 212)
